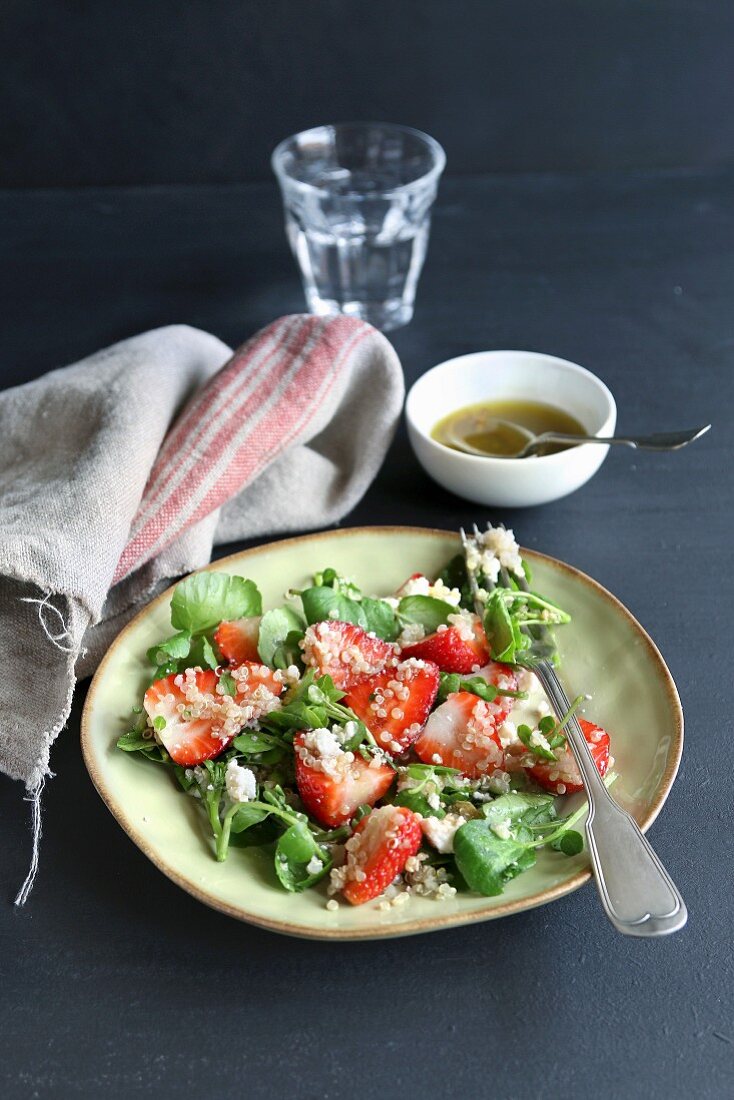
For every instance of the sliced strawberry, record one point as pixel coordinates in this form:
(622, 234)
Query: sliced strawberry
(462, 733)
(237, 639)
(563, 776)
(346, 652)
(251, 675)
(395, 704)
(458, 648)
(502, 676)
(378, 850)
(333, 783)
(193, 740)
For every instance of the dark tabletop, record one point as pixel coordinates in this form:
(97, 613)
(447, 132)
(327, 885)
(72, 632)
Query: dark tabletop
(113, 981)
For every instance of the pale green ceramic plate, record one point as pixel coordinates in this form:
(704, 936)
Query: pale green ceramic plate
(605, 652)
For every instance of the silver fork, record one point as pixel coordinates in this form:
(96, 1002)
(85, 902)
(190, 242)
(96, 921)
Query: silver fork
(637, 893)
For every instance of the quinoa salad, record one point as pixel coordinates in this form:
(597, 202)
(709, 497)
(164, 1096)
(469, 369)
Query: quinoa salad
(378, 746)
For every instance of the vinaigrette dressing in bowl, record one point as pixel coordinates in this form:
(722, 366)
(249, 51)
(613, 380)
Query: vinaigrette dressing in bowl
(495, 427)
(509, 379)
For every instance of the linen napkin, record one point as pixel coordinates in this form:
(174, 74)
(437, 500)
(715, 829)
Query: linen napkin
(120, 472)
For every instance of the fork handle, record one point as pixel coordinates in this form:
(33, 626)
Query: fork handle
(637, 893)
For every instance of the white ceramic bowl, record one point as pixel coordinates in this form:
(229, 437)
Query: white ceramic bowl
(502, 375)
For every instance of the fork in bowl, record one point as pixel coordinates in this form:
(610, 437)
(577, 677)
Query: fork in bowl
(637, 893)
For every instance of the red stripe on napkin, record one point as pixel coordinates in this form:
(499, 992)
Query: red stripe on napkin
(245, 416)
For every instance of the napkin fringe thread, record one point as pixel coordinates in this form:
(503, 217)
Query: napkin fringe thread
(34, 798)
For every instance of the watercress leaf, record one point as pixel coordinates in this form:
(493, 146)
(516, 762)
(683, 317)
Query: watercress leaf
(521, 807)
(499, 629)
(172, 649)
(134, 742)
(246, 816)
(279, 629)
(329, 578)
(255, 836)
(547, 725)
(319, 603)
(202, 654)
(295, 850)
(253, 741)
(203, 600)
(184, 777)
(426, 610)
(418, 803)
(380, 618)
(570, 843)
(449, 683)
(484, 860)
(228, 684)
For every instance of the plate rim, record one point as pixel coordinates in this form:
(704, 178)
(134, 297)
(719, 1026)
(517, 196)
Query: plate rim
(426, 924)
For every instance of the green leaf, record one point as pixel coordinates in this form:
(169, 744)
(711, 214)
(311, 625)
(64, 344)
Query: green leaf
(134, 742)
(485, 861)
(159, 723)
(279, 630)
(172, 649)
(254, 741)
(570, 843)
(418, 803)
(521, 806)
(451, 682)
(202, 654)
(380, 618)
(525, 733)
(331, 579)
(499, 628)
(228, 683)
(294, 851)
(247, 816)
(319, 603)
(203, 600)
(426, 610)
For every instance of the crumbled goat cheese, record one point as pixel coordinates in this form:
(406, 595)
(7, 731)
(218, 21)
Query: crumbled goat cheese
(421, 586)
(507, 733)
(440, 831)
(240, 782)
(539, 741)
(314, 865)
(502, 829)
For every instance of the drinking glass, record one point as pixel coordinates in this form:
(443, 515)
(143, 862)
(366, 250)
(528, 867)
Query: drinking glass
(357, 200)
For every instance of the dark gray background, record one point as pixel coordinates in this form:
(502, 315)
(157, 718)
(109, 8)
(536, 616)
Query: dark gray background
(615, 248)
(103, 92)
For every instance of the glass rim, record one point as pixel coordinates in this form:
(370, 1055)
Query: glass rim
(433, 172)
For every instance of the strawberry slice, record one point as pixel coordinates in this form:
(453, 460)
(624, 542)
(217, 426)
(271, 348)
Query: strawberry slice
(378, 850)
(462, 733)
(563, 776)
(395, 704)
(460, 647)
(187, 740)
(346, 652)
(249, 676)
(333, 783)
(237, 639)
(502, 676)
